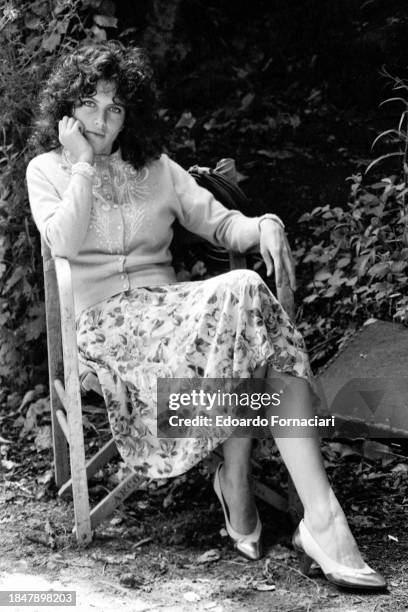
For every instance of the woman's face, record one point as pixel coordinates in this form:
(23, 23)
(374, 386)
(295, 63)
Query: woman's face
(102, 117)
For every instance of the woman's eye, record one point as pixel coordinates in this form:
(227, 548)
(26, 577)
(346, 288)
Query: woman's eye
(88, 103)
(116, 109)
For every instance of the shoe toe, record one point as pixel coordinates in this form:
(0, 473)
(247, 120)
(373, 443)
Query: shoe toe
(250, 550)
(372, 581)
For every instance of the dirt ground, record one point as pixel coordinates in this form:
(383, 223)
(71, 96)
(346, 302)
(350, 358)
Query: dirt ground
(153, 553)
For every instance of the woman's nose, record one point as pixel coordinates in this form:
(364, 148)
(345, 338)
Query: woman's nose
(100, 122)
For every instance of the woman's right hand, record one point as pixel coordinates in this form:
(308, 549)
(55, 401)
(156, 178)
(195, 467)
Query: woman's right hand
(71, 137)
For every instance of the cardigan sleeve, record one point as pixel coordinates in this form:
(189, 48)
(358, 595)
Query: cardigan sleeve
(62, 220)
(202, 214)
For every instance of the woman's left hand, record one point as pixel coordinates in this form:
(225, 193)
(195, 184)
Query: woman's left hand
(276, 253)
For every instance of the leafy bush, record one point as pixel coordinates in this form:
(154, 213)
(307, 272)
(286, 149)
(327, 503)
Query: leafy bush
(357, 257)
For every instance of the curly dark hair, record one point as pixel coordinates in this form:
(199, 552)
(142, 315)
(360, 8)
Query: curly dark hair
(76, 75)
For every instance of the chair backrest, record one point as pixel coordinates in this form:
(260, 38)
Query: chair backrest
(187, 248)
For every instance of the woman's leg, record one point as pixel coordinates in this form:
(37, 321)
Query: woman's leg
(322, 512)
(235, 478)
(236, 486)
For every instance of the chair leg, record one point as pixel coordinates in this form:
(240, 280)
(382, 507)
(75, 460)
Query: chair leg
(71, 400)
(62, 420)
(78, 471)
(105, 454)
(56, 368)
(105, 507)
(269, 496)
(60, 443)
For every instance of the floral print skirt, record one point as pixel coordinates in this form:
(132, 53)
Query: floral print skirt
(227, 326)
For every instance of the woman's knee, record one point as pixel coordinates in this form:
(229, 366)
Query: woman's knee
(244, 276)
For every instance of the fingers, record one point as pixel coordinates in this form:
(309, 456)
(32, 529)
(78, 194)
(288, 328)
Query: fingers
(273, 260)
(70, 134)
(62, 125)
(268, 261)
(276, 253)
(68, 124)
(78, 125)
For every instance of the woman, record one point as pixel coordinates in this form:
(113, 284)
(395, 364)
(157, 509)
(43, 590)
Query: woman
(105, 196)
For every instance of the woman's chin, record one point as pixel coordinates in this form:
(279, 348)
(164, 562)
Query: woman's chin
(102, 150)
(99, 148)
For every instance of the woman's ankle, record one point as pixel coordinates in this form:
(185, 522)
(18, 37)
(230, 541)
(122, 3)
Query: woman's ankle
(234, 481)
(324, 514)
(236, 473)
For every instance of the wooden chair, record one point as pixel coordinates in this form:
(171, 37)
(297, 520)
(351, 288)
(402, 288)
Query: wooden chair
(72, 470)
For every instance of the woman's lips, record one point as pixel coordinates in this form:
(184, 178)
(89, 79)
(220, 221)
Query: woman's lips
(95, 134)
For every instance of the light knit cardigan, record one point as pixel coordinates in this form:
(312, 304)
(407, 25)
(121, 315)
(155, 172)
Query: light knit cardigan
(122, 240)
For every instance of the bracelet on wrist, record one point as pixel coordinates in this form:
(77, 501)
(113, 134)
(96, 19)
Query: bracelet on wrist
(84, 169)
(273, 218)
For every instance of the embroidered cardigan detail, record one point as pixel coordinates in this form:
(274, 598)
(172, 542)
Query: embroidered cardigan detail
(123, 240)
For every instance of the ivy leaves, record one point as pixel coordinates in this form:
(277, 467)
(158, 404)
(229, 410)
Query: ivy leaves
(357, 260)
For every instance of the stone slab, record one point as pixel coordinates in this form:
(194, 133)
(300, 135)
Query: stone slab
(367, 382)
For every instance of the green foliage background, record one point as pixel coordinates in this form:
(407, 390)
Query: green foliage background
(256, 82)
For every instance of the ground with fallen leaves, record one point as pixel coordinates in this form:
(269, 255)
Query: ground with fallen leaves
(165, 549)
